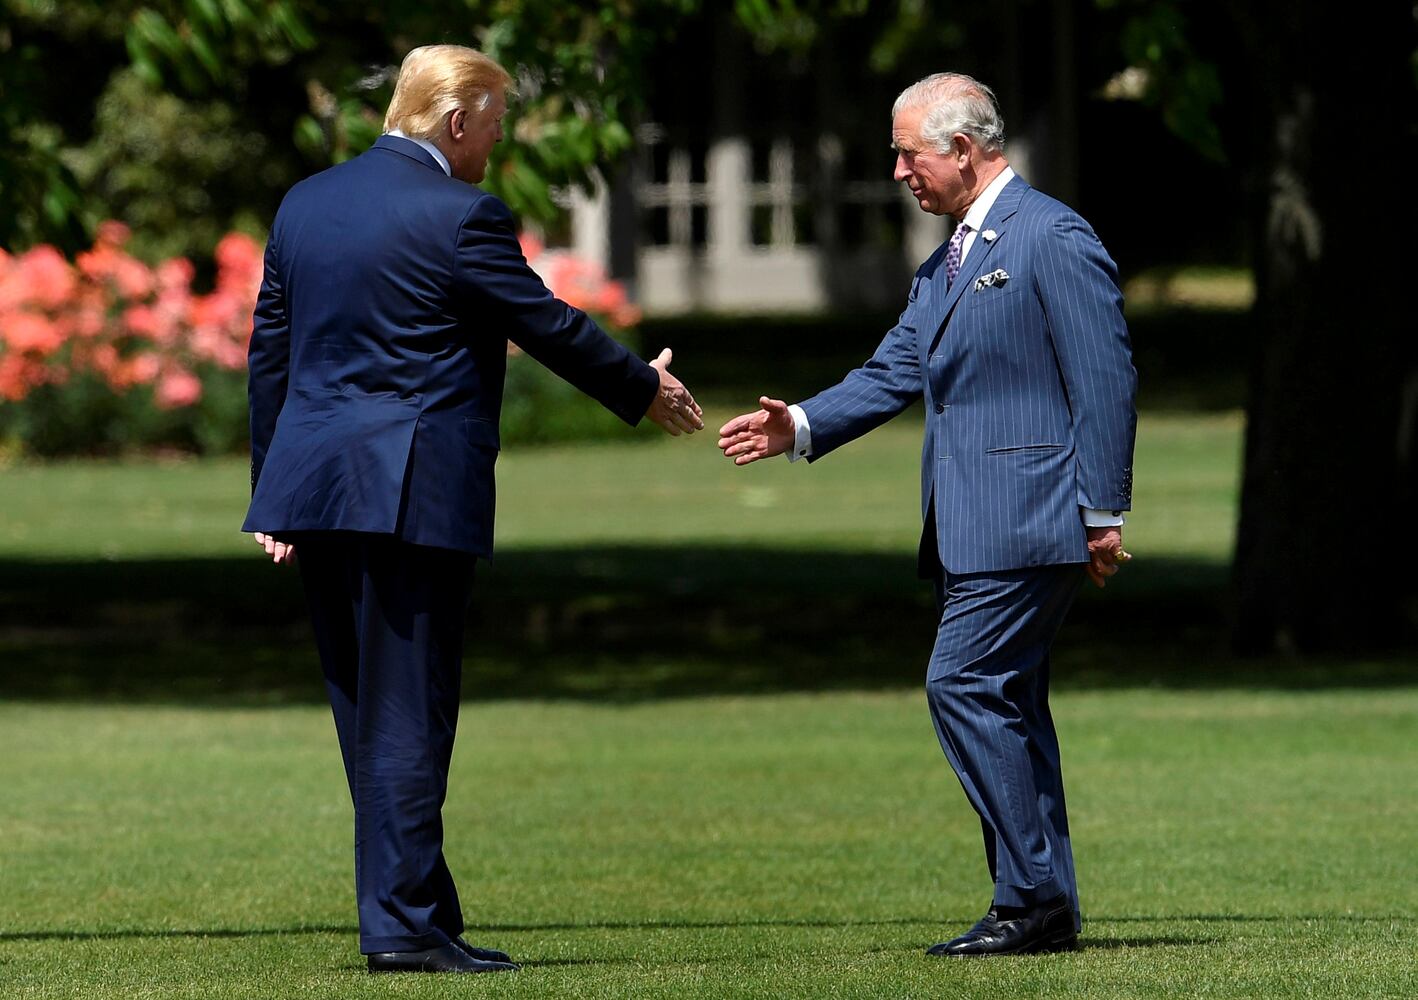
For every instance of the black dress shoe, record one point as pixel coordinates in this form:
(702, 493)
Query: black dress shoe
(444, 958)
(1046, 927)
(484, 954)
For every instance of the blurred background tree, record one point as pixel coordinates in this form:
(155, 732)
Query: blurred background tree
(1314, 111)
(205, 111)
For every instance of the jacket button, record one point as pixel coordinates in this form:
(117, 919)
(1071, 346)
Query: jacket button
(940, 407)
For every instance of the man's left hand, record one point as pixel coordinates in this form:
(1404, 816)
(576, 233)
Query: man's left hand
(1105, 554)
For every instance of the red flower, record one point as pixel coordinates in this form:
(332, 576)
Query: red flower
(45, 277)
(177, 388)
(27, 333)
(581, 283)
(112, 315)
(18, 375)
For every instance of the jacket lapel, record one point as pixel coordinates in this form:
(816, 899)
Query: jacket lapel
(998, 218)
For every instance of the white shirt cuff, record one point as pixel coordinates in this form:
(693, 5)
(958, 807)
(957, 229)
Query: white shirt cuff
(802, 434)
(1102, 518)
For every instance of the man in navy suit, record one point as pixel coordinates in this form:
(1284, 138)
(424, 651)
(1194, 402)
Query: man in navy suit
(1013, 334)
(392, 286)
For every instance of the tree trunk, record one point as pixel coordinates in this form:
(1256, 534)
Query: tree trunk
(1326, 542)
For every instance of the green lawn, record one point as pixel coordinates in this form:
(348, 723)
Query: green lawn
(671, 491)
(1232, 844)
(696, 762)
(624, 570)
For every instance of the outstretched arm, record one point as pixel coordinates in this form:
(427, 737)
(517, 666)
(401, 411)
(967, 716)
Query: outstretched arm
(886, 384)
(494, 278)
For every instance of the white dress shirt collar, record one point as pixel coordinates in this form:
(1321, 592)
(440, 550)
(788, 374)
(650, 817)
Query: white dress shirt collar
(433, 150)
(980, 211)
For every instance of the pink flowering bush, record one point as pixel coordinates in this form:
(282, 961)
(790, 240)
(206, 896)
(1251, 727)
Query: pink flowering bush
(108, 354)
(581, 283)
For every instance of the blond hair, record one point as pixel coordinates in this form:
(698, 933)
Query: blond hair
(434, 81)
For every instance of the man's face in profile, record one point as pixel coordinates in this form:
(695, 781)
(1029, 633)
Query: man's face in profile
(933, 177)
(481, 130)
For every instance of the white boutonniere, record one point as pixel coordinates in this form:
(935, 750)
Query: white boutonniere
(989, 235)
(996, 277)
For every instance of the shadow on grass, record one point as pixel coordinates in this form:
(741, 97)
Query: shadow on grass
(612, 623)
(1156, 941)
(1090, 942)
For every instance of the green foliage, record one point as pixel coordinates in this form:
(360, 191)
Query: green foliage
(207, 44)
(247, 79)
(1183, 86)
(579, 72)
(86, 417)
(918, 26)
(219, 423)
(181, 173)
(578, 69)
(39, 197)
(540, 408)
(794, 25)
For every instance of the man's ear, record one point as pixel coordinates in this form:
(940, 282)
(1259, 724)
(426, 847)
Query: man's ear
(964, 147)
(457, 123)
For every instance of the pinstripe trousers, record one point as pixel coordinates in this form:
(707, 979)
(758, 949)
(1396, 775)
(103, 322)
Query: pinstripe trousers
(988, 690)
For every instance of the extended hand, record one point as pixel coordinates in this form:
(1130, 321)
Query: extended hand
(1105, 554)
(279, 552)
(764, 434)
(673, 408)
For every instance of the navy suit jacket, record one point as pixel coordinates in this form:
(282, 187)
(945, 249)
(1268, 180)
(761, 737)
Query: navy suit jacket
(379, 349)
(1028, 384)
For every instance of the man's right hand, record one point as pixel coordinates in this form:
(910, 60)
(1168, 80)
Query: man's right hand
(280, 552)
(673, 408)
(764, 434)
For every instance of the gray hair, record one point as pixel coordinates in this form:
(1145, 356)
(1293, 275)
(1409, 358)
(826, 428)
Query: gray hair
(954, 103)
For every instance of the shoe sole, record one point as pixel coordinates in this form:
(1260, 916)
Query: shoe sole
(426, 970)
(1067, 942)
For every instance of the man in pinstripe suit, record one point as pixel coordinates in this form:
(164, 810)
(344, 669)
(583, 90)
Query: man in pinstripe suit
(1013, 333)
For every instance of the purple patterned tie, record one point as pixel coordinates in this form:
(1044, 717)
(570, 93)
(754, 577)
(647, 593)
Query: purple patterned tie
(952, 253)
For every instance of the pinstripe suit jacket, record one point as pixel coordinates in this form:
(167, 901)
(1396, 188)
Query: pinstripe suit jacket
(1028, 384)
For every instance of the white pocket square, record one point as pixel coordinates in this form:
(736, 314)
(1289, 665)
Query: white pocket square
(996, 277)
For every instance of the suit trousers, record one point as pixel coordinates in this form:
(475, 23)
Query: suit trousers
(988, 689)
(388, 619)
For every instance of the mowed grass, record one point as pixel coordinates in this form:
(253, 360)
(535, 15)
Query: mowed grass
(1229, 844)
(866, 497)
(624, 570)
(1246, 841)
